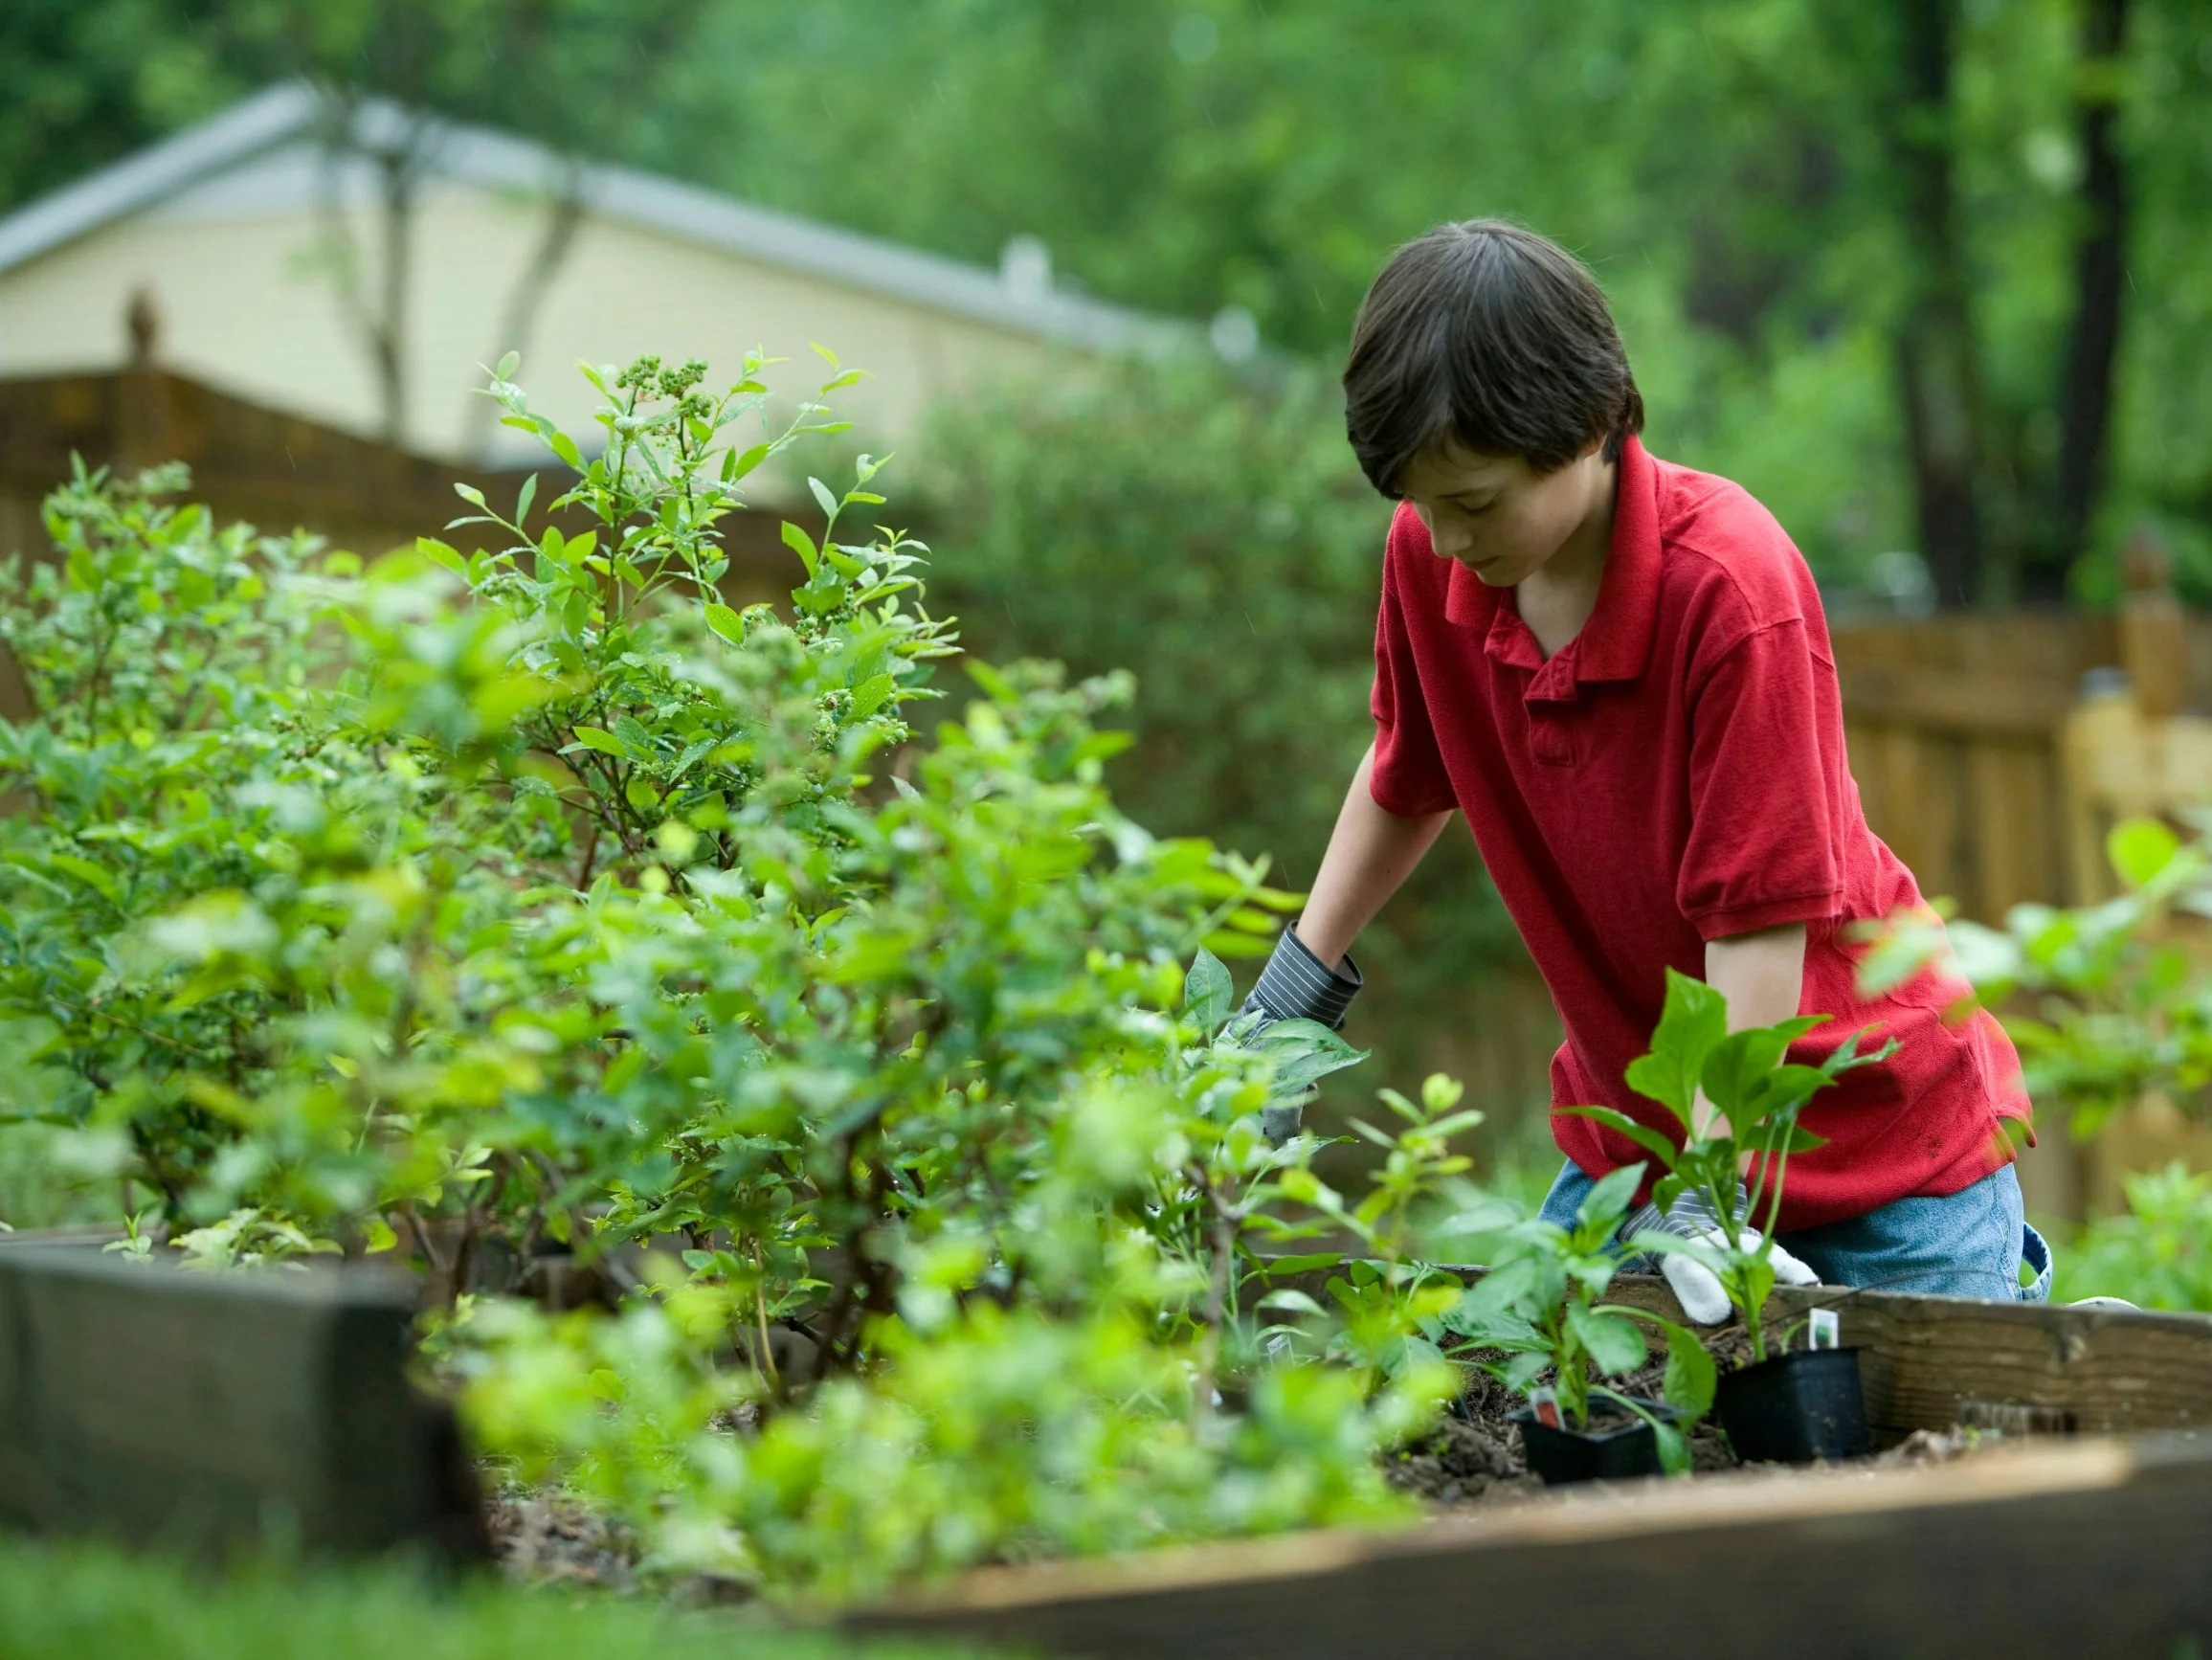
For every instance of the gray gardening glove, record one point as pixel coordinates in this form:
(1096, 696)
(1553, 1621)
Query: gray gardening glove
(1296, 985)
(1696, 1288)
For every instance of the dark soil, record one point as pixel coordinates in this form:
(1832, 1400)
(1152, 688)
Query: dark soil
(547, 1537)
(1473, 1456)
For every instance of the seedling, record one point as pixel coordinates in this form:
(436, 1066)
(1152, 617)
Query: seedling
(1736, 1161)
(1538, 1306)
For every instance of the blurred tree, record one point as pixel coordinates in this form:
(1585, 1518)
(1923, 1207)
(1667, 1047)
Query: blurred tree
(1920, 273)
(83, 81)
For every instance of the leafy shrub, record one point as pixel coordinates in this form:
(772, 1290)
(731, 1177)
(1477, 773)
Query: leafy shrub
(2157, 1254)
(2104, 1000)
(479, 905)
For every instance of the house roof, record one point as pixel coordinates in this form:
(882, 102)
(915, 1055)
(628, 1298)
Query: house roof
(285, 115)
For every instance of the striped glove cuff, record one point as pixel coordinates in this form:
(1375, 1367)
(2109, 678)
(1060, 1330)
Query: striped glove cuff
(1689, 1217)
(1296, 985)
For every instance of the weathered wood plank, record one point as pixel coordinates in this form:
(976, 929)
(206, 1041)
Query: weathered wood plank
(1930, 1362)
(2092, 1547)
(200, 1411)
(1933, 1362)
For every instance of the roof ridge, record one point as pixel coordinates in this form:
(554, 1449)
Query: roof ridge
(674, 207)
(244, 130)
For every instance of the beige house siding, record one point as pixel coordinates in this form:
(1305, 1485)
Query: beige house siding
(248, 306)
(226, 229)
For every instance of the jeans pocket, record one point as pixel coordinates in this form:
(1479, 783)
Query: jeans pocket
(2035, 1252)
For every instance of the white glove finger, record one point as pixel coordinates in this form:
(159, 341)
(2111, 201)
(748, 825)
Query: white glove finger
(1696, 1290)
(1789, 1269)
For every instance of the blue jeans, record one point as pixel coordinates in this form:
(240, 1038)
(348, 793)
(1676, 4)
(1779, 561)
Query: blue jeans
(1971, 1244)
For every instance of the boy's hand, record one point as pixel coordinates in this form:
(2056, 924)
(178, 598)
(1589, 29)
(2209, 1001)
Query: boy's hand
(1696, 1287)
(1296, 985)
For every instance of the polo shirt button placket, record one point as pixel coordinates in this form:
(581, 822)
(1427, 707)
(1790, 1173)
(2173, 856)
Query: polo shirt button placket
(1549, 701)
(1550, 737)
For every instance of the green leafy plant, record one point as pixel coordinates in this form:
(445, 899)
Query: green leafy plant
(2105, 1001)
(487, 907)
(1536, 1316)
(1390, 1296)
(1736, 1159)
(2156, 1254)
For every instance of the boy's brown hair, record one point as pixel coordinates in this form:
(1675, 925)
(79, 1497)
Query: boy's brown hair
(1486, 334)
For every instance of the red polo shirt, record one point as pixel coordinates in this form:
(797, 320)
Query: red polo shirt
(1674, 774)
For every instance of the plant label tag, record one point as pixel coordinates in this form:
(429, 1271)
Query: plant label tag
(1545, 1404)
(1823, 1330)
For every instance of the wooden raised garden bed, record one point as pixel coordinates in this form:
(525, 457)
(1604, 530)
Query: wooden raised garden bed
(204, 1410)
(2089, 1533)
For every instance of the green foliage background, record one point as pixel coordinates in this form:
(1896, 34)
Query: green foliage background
(1725, 165)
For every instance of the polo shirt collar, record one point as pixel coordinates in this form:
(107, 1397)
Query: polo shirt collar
(1615, 643)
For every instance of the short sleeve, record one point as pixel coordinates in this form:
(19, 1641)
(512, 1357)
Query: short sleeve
(1761, 852)
(1409, 778)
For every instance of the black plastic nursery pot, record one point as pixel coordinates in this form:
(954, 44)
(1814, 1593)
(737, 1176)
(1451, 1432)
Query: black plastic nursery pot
(1616, 1446)
(1795, 1409)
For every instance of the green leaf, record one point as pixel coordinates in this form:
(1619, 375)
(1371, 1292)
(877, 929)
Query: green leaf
(1613, 1344)
(870, 694)
(1690, 1374)
(1487, 1330)
(726, 622)
(1610, 1194)
(528, 494)
(803, 545)
(509, 362)
(2140, 848)
(1673, 1447)
(826, 496)
(1694, 1021)
(1738, 1066)
(1516, 1287)
(606, 743)
(565, 446)
(1304, 1052)
(440, 555)
(96, 877)
(1208, 992)
(1642, 1135)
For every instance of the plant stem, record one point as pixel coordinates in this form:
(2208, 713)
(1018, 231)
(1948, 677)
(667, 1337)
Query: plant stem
(1225, 1220)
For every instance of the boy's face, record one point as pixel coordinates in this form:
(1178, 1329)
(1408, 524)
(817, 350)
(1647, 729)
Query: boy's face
(1500, 518)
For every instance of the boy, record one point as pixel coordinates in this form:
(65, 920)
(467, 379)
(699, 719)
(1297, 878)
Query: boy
(1618, 670)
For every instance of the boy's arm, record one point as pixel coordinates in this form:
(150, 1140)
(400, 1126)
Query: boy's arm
(1370, 853)
(1762, 974)
(1311, 976)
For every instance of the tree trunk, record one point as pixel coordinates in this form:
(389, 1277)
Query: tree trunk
(1939, 383)
(2100, 276)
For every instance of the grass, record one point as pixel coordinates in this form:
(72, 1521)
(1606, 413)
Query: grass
(87, 1603)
